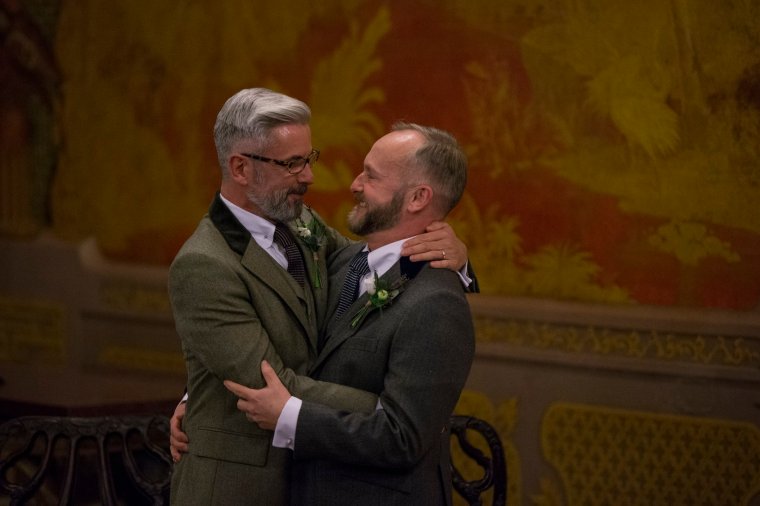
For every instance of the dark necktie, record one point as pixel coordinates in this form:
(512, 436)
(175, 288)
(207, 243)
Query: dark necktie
(292, 253)
(357, 269)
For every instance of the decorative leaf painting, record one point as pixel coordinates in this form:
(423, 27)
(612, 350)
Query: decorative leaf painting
(614, 146)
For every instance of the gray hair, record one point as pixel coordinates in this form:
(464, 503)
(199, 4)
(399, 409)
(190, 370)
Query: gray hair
(252, 114)
(442, 163)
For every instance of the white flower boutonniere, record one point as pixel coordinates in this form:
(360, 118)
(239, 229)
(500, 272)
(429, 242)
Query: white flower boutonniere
(312, 234)
(380, 293)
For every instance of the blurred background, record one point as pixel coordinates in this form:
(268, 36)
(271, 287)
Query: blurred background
(611, 211)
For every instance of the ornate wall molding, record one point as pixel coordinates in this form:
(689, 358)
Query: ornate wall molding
(655, 338)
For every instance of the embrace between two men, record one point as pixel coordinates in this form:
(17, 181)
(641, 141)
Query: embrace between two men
(300, 390)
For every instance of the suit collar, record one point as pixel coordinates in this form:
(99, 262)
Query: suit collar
(410, 269)
(238, 237)
(260, 264)
(235, 234)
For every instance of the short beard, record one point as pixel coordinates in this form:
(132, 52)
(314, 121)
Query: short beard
(276, 205)
(378, 218)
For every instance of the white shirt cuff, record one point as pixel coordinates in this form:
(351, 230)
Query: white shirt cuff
(285, 431)
(466, 280)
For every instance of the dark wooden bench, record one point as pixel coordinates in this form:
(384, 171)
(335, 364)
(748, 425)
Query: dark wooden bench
(125, 460)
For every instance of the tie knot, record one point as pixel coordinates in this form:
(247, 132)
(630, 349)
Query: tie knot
(359, 263)
(357, 269)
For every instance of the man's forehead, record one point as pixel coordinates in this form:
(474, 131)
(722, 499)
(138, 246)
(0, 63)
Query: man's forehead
(384, 165)
(294, 139)
(401, 138)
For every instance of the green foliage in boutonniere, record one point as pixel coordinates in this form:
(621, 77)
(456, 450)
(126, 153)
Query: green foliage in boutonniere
(312, 234)
(381, 294)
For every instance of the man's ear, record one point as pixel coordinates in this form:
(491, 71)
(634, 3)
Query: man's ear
(236, 165)
(421, 198)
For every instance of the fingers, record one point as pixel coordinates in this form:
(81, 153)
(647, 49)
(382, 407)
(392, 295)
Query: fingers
(424, 247)
(421, 253)
(175, 423)
(236, 388)
(437, 243)
(440, 255)
(178, 440)
(262, 406)
(175, 454)
(440, 264)
(270, 377)
(176, 431)
(245, 396)
(178, 447)
(180, 437)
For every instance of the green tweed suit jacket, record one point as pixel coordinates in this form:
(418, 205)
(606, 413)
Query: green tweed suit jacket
(234, 306)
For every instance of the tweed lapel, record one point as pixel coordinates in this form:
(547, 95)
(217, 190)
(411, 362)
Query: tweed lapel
(338, 331)
(262, 266)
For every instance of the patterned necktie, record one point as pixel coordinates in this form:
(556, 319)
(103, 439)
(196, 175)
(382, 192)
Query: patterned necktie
(356, 271)
(292, 253)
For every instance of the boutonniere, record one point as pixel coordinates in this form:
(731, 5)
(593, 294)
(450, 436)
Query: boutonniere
(312, 234)
(381, 294)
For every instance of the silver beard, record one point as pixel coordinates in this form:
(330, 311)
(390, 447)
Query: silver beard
(276, 205)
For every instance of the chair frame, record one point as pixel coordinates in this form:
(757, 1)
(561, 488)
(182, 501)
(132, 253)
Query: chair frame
(102, 430)
(77, 431)
(494, 466)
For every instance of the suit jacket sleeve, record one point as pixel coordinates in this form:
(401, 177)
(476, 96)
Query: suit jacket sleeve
(474, 286)
(335, 396)
(219, 325)
(428, 364)
(216, 319)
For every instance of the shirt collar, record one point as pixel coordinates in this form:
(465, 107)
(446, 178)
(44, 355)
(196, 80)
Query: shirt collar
(262, 230)
(382, 259)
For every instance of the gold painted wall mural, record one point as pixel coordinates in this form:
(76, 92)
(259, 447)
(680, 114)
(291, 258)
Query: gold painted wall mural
(614, 146)
(612, 202)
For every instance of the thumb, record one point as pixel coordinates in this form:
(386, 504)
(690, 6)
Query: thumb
(270, 377)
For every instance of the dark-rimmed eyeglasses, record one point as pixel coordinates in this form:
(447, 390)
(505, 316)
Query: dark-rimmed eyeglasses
(293, 166)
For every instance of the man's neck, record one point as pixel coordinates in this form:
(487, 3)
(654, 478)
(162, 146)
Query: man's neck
(380, 238)
(239, 199)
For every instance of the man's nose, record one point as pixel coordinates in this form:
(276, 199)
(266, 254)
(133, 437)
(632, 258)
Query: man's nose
(357, 184)
(306, 176)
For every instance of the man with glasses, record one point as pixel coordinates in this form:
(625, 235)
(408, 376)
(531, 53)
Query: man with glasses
(250, 285)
